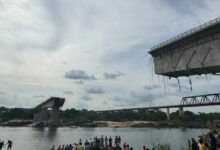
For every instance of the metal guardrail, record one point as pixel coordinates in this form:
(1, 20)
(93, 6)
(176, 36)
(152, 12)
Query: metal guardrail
(208, 99)
(187, 33)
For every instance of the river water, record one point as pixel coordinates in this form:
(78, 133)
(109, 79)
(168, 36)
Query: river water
(26, 138)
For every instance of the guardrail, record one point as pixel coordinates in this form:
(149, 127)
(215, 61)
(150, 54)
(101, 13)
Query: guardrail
(187, 33)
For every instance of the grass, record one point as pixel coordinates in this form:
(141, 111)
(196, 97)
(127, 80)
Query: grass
(162, 146)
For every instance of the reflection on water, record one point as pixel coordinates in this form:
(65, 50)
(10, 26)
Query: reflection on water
(39, 129)
(52, 133)
(44, 138)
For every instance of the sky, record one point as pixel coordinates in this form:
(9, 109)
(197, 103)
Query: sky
(95, 53)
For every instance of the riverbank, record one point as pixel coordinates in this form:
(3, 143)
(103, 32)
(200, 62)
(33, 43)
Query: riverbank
(141, 124)
(109, 124)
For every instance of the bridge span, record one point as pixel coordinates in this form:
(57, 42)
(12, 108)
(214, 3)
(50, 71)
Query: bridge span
(48, 110)
(193, 52)
(189, 101)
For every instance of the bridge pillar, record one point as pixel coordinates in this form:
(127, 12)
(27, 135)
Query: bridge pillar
(168, 113)
(40, 114)
(55, 115)
(181, 111)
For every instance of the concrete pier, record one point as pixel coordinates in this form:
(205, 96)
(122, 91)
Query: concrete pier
(181, 113)
(168, 113)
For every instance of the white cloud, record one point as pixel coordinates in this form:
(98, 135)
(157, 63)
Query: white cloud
(78, 75)
(94, 90)
(96, 36)
(112, 75)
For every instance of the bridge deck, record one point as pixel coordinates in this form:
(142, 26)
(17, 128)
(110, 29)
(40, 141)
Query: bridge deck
(189, 101)
(160, 107)
(185, 35)
(55, 102)
(194, 52)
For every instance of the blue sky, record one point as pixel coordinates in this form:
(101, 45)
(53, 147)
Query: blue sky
(94, 53)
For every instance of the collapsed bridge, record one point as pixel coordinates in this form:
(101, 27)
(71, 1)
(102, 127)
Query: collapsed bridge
(193, 52)
(48, 110)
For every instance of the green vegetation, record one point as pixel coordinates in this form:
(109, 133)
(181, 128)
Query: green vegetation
(162, 146)
(127, 115)
(15, 113)
(85, 116)
(190, 116)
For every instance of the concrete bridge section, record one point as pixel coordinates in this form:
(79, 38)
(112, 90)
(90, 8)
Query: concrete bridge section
(48, 110)
(193, 52)
(190, 101)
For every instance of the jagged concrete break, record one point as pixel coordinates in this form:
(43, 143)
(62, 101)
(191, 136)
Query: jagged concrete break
(193, 52)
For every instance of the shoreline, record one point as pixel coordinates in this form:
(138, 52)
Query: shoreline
(107, 124)
(152, 124)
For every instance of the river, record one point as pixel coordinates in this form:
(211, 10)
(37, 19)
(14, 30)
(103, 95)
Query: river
(26, 138)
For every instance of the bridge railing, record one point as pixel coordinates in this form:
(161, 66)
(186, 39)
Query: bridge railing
(187, 33)
(201, 99)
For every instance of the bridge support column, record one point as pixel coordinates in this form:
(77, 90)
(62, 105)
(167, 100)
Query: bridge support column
(168, 113)
(55, 114)
(181, 111)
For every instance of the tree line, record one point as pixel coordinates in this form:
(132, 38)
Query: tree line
(84, 116)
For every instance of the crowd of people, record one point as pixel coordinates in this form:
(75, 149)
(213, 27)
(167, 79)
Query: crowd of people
(3, 144)
(96, 143)
(210, 141)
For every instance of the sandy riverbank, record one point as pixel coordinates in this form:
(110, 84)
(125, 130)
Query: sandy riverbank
(124, 124)
(109, 124)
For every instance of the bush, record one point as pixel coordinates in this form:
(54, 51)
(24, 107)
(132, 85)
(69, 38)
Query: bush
(162, 146)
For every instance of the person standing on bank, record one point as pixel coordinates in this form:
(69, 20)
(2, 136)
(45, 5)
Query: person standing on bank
(10, 143)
